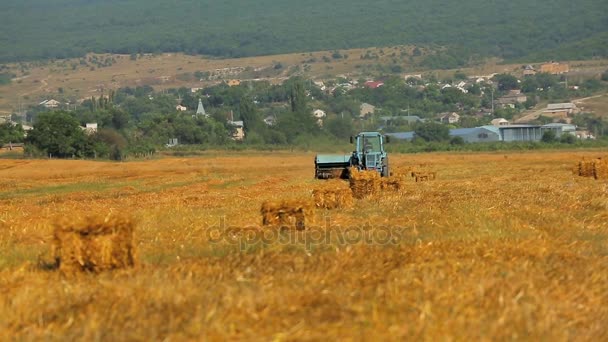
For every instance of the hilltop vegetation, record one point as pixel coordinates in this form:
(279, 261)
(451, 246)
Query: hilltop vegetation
(509, 29)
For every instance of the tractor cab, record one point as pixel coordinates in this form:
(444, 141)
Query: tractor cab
(369, 152)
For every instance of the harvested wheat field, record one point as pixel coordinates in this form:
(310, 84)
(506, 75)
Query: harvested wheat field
(500, 246)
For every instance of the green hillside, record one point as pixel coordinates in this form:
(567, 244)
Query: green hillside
(35, 29)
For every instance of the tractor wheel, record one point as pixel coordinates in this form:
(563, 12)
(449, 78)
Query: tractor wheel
(385, 170)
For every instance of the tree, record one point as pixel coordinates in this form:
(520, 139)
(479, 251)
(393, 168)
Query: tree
(59, 134)
(605, 76)
(506, 82)
(297, 97)
(108, 142)
(120, 118)
(249, 115)
(10, 133)
(567, 139)
(341, 128)
(549, 137)
(432, 131)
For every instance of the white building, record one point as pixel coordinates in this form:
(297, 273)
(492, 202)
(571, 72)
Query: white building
(366, 109)
(239, 130)
(50, 103)
(499, 122)
(319, 114)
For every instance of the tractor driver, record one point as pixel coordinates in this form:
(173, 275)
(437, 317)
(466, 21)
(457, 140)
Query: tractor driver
(367, 145)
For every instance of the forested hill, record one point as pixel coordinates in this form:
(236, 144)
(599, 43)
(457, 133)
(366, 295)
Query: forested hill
(32, 29)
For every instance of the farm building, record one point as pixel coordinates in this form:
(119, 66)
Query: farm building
(561, 110)
(534, 132)
(477, 134)
(506, 133)
(409, 119)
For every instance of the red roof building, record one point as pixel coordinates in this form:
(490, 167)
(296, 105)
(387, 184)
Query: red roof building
(373, 84)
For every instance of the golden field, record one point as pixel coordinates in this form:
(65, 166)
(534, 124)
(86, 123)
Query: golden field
(501, 246)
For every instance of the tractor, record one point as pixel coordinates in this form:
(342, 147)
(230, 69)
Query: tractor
(369, 154)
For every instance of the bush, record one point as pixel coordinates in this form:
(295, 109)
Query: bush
(432, 131)
(567, 139)
(548, 137)
(457, 141)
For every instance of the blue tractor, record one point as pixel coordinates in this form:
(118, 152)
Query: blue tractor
(369, 154)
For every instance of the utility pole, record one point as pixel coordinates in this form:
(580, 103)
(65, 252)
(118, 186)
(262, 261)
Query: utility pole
(492, 100)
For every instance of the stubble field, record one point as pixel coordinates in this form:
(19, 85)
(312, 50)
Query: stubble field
(500, 246)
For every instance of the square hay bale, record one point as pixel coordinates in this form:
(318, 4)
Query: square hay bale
(424, 176)
(332, 198)
(94, 244)
(403, 171)
(585, 168)
(596, 168)
(392, 184)
(287, 213)
(364, 183)
(600, 169)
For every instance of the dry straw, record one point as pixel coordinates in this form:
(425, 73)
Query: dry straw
(94, 244)
(364, 183)
(332, 197)
(600, 169)
(422, 176)
(596, 168)
(287, 213)
(392, 184)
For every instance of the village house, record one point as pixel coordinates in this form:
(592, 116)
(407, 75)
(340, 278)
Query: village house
(320, 85)
(270, 120)
(90, 128)
(50, 103)
(319, 114)
(414, 76)
(373, 84)
(512, 98)
(366, 109)
(450, 118)
(239, 130)
(529, 70)
(499, 122)
(181, 108)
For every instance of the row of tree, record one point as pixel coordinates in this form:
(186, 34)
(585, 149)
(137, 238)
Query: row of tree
(138, 120)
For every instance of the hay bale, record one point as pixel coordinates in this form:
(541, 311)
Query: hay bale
(392, 184)
(600, 169)
(425, 176)
(585, 168)
(364, 183)
(94, 244)
(287, 213)
(332, 198)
